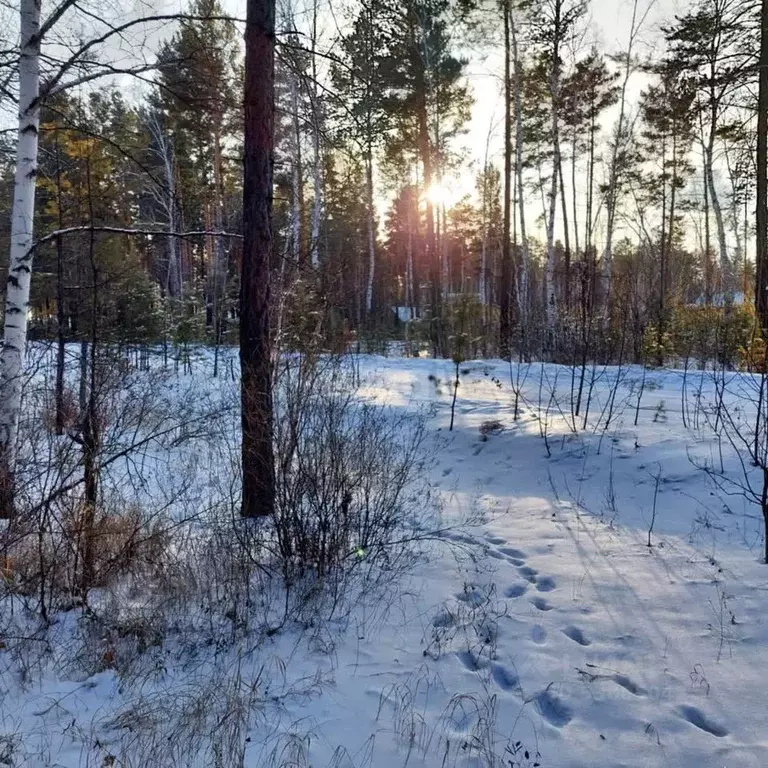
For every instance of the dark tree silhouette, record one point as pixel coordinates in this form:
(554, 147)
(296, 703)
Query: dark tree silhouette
(255, 359)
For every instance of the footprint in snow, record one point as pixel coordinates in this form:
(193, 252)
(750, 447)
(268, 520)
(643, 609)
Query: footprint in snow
(541, 604)
(516, 590)
(576, 635)
(497, 540)
(545, 584)
(512, 552)
(538, 634)
(528, 573)
(553, 709)
(505, 678)
(471, 596)
(469, 660)
(696, 717)
(515, 561)
(629, 685)
(496, 555)
(477, 450)
(447, 471)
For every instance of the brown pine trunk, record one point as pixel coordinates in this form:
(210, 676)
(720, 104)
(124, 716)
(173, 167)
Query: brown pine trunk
(432, 254)
(255, 344)
(761, 242)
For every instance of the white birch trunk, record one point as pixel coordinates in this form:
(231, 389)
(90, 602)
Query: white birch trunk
(614, 170)
(166, 198)
(22, 220)
(317, 204)
(551, 296)
(175, 278)
(296, 174)
(725, 262)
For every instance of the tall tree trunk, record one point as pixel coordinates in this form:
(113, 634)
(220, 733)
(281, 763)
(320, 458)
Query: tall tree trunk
(90, 428)
(255, 343)
(725, 264)
(220, 256)
(445, 276)
(574, 207)
(589, 222)
(615, 170)
(505, 286)
(707, 232)
(410, 299)
(567, 240)
(761, 160)
(61, 347)
(432, 254)
(524, 259)
(317, 175)
(20, 262)
(554, 88)
(297, 198)
(370, 214)
(482, 288)
(317, 202)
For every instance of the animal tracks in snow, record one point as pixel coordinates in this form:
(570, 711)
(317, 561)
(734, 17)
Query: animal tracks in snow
(546, 584)
(504, 677)
(512, 552)
(629, 685)
(470, 661)
(541, 604)
(576, 635)
(696, 717)
(528, 573)
(553, 709)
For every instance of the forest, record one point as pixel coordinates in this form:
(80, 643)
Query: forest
(383, 383)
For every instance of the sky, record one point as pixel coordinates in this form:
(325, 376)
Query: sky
(608, 27)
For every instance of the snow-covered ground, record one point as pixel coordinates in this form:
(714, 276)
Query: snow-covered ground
(547, 632)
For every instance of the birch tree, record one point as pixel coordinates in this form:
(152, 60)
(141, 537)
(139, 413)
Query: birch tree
(619, 146)
(79, 62)
(20, 262)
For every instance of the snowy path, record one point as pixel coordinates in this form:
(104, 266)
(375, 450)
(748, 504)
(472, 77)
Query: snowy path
(600, 650)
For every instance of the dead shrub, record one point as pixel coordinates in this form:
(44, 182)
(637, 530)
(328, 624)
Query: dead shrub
(490, 427)
(345, 471)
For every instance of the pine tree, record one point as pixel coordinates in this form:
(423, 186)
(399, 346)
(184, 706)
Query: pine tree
(429, 103)
(360, 81)
(668, 133)
(255, 343)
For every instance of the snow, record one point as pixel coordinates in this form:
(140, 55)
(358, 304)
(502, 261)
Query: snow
(545, 627)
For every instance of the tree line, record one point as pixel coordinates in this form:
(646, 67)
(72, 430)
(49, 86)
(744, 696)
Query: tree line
(610, 226)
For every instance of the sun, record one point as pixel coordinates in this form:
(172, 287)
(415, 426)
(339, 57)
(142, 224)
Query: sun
(439, 194)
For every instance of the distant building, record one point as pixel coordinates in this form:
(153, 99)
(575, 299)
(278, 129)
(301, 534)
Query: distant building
(718, 300)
